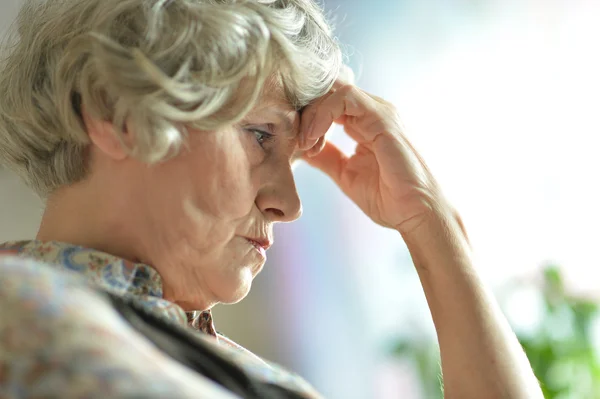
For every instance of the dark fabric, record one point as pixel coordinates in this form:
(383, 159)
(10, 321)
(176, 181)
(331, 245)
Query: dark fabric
(186, 348)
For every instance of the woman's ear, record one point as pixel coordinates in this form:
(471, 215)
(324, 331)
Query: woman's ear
(103, 136)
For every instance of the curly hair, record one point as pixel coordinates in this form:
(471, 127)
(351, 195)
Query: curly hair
(158, 67)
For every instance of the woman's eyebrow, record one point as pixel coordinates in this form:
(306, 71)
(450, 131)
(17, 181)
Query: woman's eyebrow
(287, 119)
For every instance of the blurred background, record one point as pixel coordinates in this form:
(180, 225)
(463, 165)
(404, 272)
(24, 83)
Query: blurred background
(502, 98)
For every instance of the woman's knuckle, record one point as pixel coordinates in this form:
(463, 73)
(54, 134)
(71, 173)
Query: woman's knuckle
(347, 90)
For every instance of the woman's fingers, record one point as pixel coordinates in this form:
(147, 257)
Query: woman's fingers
(317, 118)
(346, 101)
(346, 105)
(306, 118)
(318, 147)
(330, 160)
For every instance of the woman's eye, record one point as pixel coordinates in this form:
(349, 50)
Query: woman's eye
(262, 137)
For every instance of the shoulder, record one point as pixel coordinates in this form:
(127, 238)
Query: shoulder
(33, 290)
(58, 335)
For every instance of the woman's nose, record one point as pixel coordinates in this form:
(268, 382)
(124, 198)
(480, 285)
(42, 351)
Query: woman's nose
(279, 199)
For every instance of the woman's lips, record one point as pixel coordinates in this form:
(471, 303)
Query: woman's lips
(261, 250)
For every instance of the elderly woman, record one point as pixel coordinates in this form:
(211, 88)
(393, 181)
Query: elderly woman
(162, 135)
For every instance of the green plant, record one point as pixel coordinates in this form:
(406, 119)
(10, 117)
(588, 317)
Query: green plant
(560, 350)
(425, 358)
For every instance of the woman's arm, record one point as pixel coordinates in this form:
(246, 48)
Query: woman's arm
(481, 357)
(390, 182)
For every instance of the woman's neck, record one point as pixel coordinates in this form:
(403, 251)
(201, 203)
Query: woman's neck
(80, 215)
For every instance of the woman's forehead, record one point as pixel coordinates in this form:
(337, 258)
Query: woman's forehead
(273, 99)
(273, 94)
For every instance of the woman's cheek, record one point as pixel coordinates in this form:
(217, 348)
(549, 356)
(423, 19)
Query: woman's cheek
(239, 189)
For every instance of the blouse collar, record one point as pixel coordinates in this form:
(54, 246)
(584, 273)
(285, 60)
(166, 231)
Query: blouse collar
(114, 274)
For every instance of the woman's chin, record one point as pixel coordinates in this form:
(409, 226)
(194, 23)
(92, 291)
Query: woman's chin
(235, 288)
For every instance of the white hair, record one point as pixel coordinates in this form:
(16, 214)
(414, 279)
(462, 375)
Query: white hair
(160, 65)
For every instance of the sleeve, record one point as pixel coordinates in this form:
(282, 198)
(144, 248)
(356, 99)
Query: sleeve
(61, 338)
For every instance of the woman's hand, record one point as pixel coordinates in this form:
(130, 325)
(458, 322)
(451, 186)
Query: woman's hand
(481, 356)
(385, 177)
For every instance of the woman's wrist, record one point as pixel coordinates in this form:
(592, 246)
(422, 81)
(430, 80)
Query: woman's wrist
(437, 237)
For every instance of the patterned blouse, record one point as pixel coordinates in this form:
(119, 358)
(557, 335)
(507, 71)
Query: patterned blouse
(60, 338)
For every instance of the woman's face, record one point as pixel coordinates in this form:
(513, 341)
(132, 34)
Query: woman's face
(196, 215)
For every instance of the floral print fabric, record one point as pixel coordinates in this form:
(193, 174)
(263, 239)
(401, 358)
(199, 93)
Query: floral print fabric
(60, 338)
